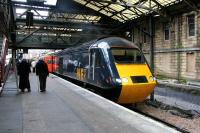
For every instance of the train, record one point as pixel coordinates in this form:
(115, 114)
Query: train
(114, 67)
(52, 62)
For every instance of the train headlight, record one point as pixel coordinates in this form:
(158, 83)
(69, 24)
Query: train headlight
(152, 78)
(118, 80)
(125, 80)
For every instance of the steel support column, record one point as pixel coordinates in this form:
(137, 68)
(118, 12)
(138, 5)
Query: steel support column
(151, 30)
(14, 66)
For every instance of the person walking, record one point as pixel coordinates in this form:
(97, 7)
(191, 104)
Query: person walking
(42, 72)
(23, 72)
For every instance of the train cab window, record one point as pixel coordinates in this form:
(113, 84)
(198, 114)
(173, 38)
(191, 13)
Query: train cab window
(127, 56)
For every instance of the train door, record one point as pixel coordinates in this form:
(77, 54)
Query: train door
(60, 68)
(91, 65)
(94, 63)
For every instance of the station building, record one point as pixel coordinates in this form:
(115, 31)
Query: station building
(176, 45)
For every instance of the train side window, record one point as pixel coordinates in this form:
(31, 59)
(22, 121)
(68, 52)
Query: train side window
(85, 61)
(98, 59)
(49, 61)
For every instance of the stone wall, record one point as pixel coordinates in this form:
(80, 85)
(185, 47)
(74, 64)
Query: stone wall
(178, 57)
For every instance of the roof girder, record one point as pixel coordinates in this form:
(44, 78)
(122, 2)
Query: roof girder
(191, 4)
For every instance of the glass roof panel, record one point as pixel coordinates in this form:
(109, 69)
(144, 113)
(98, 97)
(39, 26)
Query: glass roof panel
(106, 13)
(117, 8)
(137, 7)
(97, 4)
(46, 2)
(81, 2)
(117, 18)
(92, 6)
(129, 14)
(121, 16)
(138, 12)
(166, 2)
(148, 4)
(50, 2)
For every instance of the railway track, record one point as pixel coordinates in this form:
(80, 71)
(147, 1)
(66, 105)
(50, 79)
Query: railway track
(156, 119)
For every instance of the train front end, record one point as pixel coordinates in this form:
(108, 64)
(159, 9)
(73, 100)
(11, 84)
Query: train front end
(137, 80)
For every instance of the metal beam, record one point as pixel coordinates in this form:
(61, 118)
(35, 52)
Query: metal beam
(30, 4)
(68, 24)
(27, 36)
(40, 46)
(58, 36)
(192, 5)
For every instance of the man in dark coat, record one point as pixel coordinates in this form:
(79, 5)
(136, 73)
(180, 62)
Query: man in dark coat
(23, 72)
(42, 72)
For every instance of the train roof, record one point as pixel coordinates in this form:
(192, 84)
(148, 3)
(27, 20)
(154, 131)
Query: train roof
(109, 42)
(117, 42)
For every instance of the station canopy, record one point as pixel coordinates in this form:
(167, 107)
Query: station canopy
(120, 10)
(124, 10)
(64, 23)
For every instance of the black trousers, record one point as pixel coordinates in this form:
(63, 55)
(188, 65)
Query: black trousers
(24, 82)
(42, 79)
(33, 69)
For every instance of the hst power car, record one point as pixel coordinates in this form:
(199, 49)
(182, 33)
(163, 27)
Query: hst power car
(113, 66)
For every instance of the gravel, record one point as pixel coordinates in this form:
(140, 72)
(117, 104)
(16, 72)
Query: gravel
(185, 119)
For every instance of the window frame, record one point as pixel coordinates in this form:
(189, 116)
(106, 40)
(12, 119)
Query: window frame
(189, 30)
(166, 26)
(143, 61)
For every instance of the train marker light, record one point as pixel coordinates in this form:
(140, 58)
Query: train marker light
(125, 80)
(152, 78)
(118, 80)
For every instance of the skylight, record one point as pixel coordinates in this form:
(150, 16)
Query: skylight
(50, 2)
(38, 14)
(46, 2)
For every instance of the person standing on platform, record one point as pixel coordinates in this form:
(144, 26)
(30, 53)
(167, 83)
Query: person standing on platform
(33, 63)
(42, 72)
(23, 72)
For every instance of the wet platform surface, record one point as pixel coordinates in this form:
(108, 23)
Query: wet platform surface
(67, 108)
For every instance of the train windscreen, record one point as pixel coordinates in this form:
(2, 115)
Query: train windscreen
(133, 56)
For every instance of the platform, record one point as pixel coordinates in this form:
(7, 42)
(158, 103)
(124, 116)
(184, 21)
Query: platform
(67, 108)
